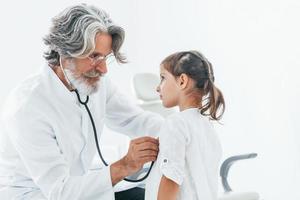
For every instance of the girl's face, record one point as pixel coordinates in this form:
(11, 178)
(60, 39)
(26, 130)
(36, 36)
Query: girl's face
(168, 88)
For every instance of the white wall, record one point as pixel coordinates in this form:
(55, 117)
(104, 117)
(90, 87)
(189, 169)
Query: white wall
(253, 44)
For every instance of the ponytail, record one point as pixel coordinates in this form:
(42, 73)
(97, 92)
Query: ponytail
(214, 104)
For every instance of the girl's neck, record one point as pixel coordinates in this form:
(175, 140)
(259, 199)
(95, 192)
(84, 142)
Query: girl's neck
(188, 101)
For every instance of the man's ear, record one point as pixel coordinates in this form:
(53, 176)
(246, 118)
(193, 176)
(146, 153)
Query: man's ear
(183, 80)
(64, 62)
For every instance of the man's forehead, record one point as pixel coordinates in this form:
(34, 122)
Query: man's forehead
(103, 44)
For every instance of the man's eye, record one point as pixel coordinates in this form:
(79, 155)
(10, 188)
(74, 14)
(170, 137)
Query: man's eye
(93, 56)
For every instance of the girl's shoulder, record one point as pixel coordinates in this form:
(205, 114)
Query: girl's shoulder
(176, 118)
(187, 115)
(175, 125)
(186, 122)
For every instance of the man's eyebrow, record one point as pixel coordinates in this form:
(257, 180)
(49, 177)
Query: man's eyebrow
(101, 54)
(97, 53)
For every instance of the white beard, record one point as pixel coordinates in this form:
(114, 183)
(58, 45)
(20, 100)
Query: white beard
(80, 83)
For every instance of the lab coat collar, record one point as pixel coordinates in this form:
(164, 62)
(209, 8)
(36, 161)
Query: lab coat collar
(59, 89)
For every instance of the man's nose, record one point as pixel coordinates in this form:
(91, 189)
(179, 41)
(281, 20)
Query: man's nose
(102, 67)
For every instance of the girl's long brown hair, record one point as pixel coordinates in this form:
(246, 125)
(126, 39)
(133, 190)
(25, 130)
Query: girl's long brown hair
(197, 67)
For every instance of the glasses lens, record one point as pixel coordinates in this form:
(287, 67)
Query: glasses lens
(97, 60)
(110, 59)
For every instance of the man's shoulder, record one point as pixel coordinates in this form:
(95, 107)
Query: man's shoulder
(23, 95)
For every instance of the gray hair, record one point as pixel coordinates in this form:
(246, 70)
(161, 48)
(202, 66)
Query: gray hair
(74, 30)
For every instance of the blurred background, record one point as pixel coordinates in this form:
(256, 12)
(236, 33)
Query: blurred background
(253, 45)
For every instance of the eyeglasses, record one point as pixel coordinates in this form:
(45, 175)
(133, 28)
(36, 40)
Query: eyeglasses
(97, 58)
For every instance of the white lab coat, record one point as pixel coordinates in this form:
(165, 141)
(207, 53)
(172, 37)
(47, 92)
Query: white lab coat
(189, 155)
(47, 143)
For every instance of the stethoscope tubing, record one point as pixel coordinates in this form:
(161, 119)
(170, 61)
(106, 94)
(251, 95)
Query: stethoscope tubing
(97, 141)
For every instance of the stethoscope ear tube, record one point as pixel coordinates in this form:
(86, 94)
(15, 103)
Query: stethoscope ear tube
(96, 138)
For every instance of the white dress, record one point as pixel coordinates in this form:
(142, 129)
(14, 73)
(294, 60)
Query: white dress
(189, 155)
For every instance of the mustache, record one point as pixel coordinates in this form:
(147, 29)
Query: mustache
(92, 73)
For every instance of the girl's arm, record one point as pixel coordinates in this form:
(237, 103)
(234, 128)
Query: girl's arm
(168, 189)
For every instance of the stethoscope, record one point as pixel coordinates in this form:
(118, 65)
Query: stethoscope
(84, 103)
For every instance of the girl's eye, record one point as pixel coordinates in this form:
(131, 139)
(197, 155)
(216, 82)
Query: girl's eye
(161, 78)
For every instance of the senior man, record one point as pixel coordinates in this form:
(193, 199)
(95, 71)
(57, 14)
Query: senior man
(47, 138)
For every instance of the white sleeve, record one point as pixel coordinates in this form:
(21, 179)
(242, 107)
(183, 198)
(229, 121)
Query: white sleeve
(37, 147)
(124, 116)
(173, 140)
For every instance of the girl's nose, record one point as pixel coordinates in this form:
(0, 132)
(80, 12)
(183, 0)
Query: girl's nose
(158, 89)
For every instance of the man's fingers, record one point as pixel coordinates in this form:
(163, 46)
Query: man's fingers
(143, 150)
(148, 159)
(145, 139)
(147, 146)
(147, 153)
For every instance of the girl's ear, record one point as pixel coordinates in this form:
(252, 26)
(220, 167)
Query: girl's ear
(183, 80)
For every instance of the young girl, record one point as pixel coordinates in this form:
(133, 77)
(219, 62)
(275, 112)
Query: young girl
(188, 161)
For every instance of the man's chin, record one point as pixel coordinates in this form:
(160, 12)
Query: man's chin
(87, 91)
(87, 88)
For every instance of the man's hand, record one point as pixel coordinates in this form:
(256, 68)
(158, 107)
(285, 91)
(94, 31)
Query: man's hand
(141, 151)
